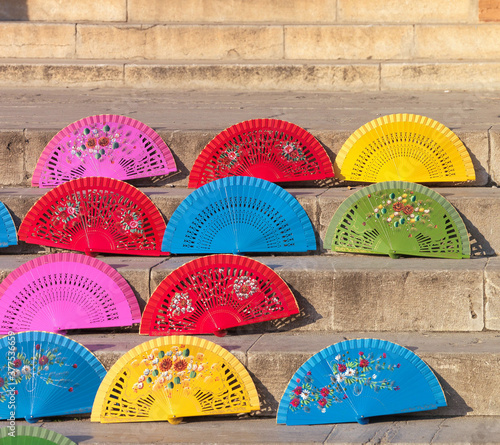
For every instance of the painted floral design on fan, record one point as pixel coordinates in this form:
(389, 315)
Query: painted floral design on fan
(175, 369)
(244, 287)
(181, 304)
(291, 151)
(95, 142)
(229, 158)
(67, 210)
(130, 221)
(356, 374)
(45, 364)
(400, 209)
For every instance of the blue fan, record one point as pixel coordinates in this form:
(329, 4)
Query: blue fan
(239, 214)
(44, 374)
(357, 379)
(8, 235)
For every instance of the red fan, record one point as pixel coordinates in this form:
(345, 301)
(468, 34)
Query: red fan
(214, 293)
(270, 149)
(95, 215)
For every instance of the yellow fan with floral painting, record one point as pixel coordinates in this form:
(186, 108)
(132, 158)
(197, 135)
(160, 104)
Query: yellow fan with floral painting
(174, 377)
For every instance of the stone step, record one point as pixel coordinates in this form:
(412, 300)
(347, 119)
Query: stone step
(187, 121)
(291, 11)
(258, 431)
(478, 206)
(253, 75)
(246, 42)
(346, 293)
(464, 363)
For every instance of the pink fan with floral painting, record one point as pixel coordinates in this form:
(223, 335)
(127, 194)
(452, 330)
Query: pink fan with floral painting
(106, 145)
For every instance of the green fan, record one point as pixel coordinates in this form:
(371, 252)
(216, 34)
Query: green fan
(398, 218)
(30, 435)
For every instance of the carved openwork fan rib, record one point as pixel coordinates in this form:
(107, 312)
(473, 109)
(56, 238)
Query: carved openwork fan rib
(95, 215)
(398, 218)
(239, 214)
(106, 145)
(404, 147)
(65, 291)
(269, 149)
(355, 380)
(214, 293)
(53, 375)
(173, 377)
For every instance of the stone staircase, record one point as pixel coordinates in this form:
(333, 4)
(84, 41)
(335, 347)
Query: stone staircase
(190, 69)
(447, 311)
(325, 45)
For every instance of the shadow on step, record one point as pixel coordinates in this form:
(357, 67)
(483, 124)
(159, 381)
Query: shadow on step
(479, 246)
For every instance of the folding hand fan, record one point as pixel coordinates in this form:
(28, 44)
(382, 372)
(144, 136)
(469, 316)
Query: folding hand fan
(239, 214)
(404, 147)
(398, 218)
(65, 291)
(30, 435)
(214, 293)
(357, 379)
(269, 149)
(113, 146)
(8, 235)
(172, 377)
(95, 215)
(44, 374)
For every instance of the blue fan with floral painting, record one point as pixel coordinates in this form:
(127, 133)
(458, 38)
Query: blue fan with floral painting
(355, 380)
(44, 374)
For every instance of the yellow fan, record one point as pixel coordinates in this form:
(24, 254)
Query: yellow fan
(404, 147)
(173, 377)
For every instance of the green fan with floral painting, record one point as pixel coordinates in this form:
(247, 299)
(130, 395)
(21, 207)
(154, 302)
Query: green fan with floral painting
(398, 218)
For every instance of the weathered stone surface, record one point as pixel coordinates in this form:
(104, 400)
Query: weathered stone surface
(263, 76)
(361, 42)
(12, 147)
(478, 209)
(477, 145)
(406, 11)
(396, 430)
(385, 295)
(492, 294)
(239, 11)
(184, 42)
(476, 42)
(399, 431)
(495, 154)
(72, 11)
(439, 76)
(60, 74)
(37, 40)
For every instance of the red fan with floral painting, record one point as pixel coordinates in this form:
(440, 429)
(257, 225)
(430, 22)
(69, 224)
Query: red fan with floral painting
(269, 149)
(216, 292)
(93, 215)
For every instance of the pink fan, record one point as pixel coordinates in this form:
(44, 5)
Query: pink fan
(105, 145)
(65, 291)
